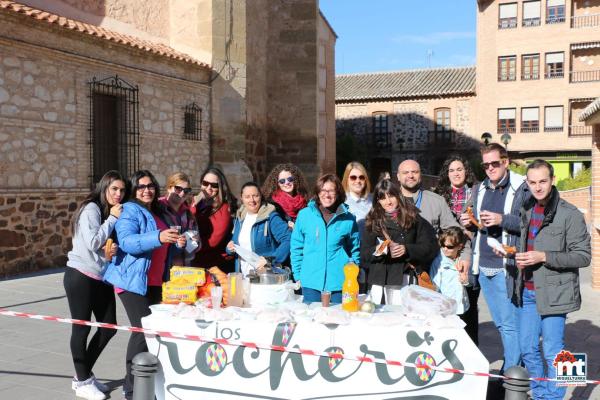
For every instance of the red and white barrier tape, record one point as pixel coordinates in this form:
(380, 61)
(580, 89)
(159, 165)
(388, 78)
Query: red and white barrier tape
(229, 342)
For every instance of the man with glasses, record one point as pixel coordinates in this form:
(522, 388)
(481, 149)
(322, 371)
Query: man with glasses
(496, 203)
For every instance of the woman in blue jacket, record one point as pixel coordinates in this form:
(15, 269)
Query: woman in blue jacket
(324, 239)
(258, 227)
(137, 270)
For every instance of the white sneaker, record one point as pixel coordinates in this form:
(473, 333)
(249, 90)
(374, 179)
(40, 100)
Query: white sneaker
(89, 391)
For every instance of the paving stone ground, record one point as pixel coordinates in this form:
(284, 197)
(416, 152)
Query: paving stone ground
(35, 362)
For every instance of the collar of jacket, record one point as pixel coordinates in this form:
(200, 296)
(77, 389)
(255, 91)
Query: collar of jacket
(263, 212)
(342, 208)
(515, 181)
(549, 209)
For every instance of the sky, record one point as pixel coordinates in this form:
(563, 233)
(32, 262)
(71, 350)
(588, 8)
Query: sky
(392, 35)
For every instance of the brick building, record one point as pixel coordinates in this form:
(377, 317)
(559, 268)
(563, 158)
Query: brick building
(90, 85)
(537, 69)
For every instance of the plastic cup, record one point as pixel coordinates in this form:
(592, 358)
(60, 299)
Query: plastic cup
(176, 227)
(216, 295)
(325, 298)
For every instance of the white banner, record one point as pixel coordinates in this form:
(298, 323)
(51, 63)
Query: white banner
(193, 370)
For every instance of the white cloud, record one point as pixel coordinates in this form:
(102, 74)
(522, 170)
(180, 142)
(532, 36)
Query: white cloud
(434, 38)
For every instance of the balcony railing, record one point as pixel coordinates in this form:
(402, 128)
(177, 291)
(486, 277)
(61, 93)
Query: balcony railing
(580, 130)
(585, 21)
(554, 74)
(531, 21)
(530, 77)
(507, 23)
(585, 76)
(442, 137)
(553, 129)
(381, 140)
(505, 78)
(507, 130)
(530, 130)
(555, 20)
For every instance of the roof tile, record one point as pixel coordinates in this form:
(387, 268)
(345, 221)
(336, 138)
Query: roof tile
(92, 30)
(410, 83)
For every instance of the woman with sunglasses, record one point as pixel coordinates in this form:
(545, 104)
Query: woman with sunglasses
(260, 229)
(357, 186)
(175, 212)
(324, 239)
(92, 225)
(285, 188)
(411, 239)
(137, 270)
(213, 208)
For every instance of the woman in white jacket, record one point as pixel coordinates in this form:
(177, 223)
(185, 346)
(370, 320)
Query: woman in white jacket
(93, 224)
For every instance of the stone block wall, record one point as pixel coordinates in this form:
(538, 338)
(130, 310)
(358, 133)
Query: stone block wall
(35, 230)
(44, 136)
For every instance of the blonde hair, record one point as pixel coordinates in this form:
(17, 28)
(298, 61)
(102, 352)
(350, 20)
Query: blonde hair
(177, 177)
(356, 165)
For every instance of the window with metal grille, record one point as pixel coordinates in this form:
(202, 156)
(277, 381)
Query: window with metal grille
(506, 120)
(553, 119)
(381, 137)
(507, 68)
(531, 13)
(530, 119)
(441, 128)
(555, 65)
(507, 16)
(555, 11)
(530, 64)
(113, 127)
(192, 124)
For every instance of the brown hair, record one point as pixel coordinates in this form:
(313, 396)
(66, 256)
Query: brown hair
(271, 185)
(407, 212)
(340, 194)
(352, 165)
(177, 177)
(488, 148)
(455, 234)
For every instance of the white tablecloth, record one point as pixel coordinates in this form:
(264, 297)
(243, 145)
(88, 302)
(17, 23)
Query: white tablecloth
(195, 370)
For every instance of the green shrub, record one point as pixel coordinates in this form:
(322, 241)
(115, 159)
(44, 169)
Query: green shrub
(582, 179)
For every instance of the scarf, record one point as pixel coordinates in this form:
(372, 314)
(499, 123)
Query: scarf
(290, 204)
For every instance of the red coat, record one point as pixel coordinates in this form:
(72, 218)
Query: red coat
(215, 232)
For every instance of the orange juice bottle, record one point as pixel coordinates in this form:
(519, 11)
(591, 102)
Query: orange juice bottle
(350, 287)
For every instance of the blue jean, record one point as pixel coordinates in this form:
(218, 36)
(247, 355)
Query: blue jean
(314, 296)
(552, 330)
(504, 314)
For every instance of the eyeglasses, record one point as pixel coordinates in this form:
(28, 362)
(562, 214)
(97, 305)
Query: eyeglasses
(494, 164)
(179, 189)
(289, 179)
(150, 186)
(214, 185)
(359, 177)
(449, 246)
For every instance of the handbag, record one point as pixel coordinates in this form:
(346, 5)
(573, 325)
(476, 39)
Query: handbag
(414, 278)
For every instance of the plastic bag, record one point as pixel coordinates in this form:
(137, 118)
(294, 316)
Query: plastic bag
(417, 299)
(247, 255)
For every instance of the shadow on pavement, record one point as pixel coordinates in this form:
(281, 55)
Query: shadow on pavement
(33, 302)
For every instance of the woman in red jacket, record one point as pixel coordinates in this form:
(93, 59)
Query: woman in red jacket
(213, 208)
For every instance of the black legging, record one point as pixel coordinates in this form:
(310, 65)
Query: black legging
(137, 307)
(471, 316)
(88, 296)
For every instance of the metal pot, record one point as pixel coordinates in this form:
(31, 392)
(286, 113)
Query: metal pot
(271, 278)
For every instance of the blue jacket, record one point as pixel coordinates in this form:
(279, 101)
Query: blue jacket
(138, 236)
(319, 252)
(270, 235)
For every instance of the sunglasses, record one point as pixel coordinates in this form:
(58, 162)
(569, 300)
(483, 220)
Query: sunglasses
(450, 246)
(179, 189)
(494, 164)
(359, 177)
(289, 179)
(214, 185)
(141, 188)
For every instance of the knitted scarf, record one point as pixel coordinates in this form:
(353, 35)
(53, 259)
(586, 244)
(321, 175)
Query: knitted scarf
(290, 204)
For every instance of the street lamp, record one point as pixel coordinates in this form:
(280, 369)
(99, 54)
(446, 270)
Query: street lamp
(506, 139)
(486, 137)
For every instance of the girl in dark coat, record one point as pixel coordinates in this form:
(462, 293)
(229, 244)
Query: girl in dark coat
(412, 241)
